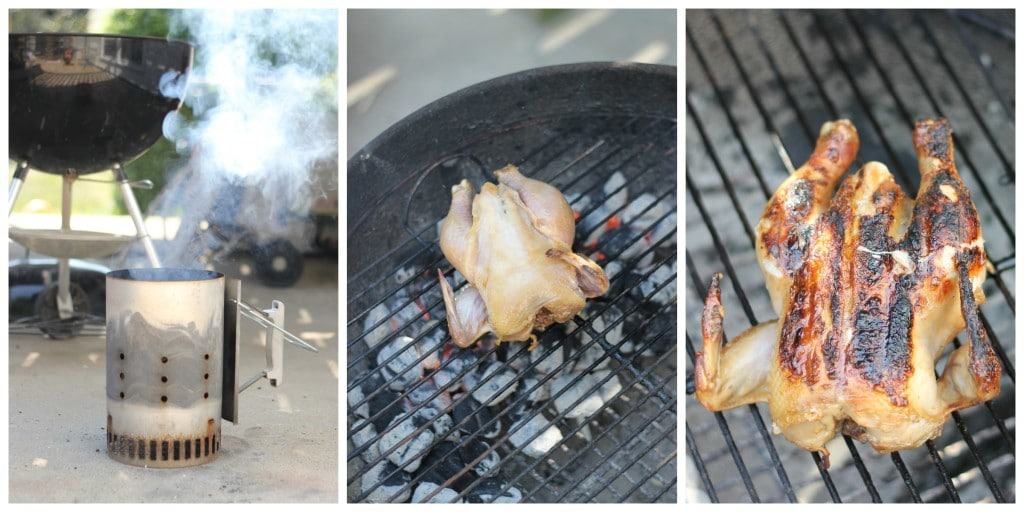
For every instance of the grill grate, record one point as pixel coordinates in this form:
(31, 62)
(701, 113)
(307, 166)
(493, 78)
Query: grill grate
(626, 450)
(779, 75)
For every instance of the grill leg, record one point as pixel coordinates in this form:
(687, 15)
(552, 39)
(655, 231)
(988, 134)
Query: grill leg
(136, 215)
(16, 182)
(65, 306)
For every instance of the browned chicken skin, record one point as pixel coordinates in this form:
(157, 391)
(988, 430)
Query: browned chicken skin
(513, 243)
(870, 287)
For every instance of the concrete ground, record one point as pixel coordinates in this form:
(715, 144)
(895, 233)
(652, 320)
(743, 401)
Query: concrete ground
(285, 448)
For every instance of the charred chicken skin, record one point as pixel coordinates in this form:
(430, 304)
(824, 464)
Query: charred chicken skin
(869, 286)
(512, 242)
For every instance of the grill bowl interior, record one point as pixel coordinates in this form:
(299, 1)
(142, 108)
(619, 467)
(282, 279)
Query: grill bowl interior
(572, 126)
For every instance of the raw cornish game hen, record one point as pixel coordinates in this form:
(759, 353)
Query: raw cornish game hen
(870, 286)
(513, 244)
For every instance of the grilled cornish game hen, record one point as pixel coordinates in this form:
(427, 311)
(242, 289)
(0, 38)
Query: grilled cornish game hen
(870, 286)
(513, 243)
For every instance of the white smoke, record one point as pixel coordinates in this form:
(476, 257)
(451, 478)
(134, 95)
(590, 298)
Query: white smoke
(264, 103)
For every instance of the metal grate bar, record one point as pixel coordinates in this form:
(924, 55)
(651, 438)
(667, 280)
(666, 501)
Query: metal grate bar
(720, 169)
(518, 354)
(897, 460)
(864, 475)
(1008, 169)
(728, 115)
(664, 462)
(960, 147)
(858, 94)
(986, 70)
(982, 466)
(593, 442)
(1001, 285)
(940, 467)
(436, 304)
(413, 299)
(358, 450)
(748, 83)
(582, 476)
(362, 448)
(691, 446)
(829, 484)
(508, 434)
(986, 23)
(571, 383)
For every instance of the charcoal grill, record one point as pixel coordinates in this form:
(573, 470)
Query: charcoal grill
(574, 126)
(758, 86)
(80, 104)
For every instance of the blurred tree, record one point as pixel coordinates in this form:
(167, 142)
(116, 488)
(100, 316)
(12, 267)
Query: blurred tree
(153, 164)
(137, 22)
(48, 20)
(549, 16)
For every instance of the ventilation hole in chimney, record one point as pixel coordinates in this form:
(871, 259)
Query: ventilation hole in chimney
(177, 450)
(188, 449)
(163, 398)
(206, 395)
(206, 376)
(122, 355)
(163, 359)
(206, 356)
(164, 449)
(122, 394)
(152, 450)
(163, 379)
(122, 375)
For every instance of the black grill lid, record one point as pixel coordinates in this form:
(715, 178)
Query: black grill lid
(83, 102)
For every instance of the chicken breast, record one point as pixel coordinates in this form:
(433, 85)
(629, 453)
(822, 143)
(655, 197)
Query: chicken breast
(870, 287)
(512, 242)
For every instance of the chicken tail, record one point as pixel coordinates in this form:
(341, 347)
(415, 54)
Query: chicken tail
(706, 366)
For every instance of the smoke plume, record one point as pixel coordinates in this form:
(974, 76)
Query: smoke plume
(261, 114)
